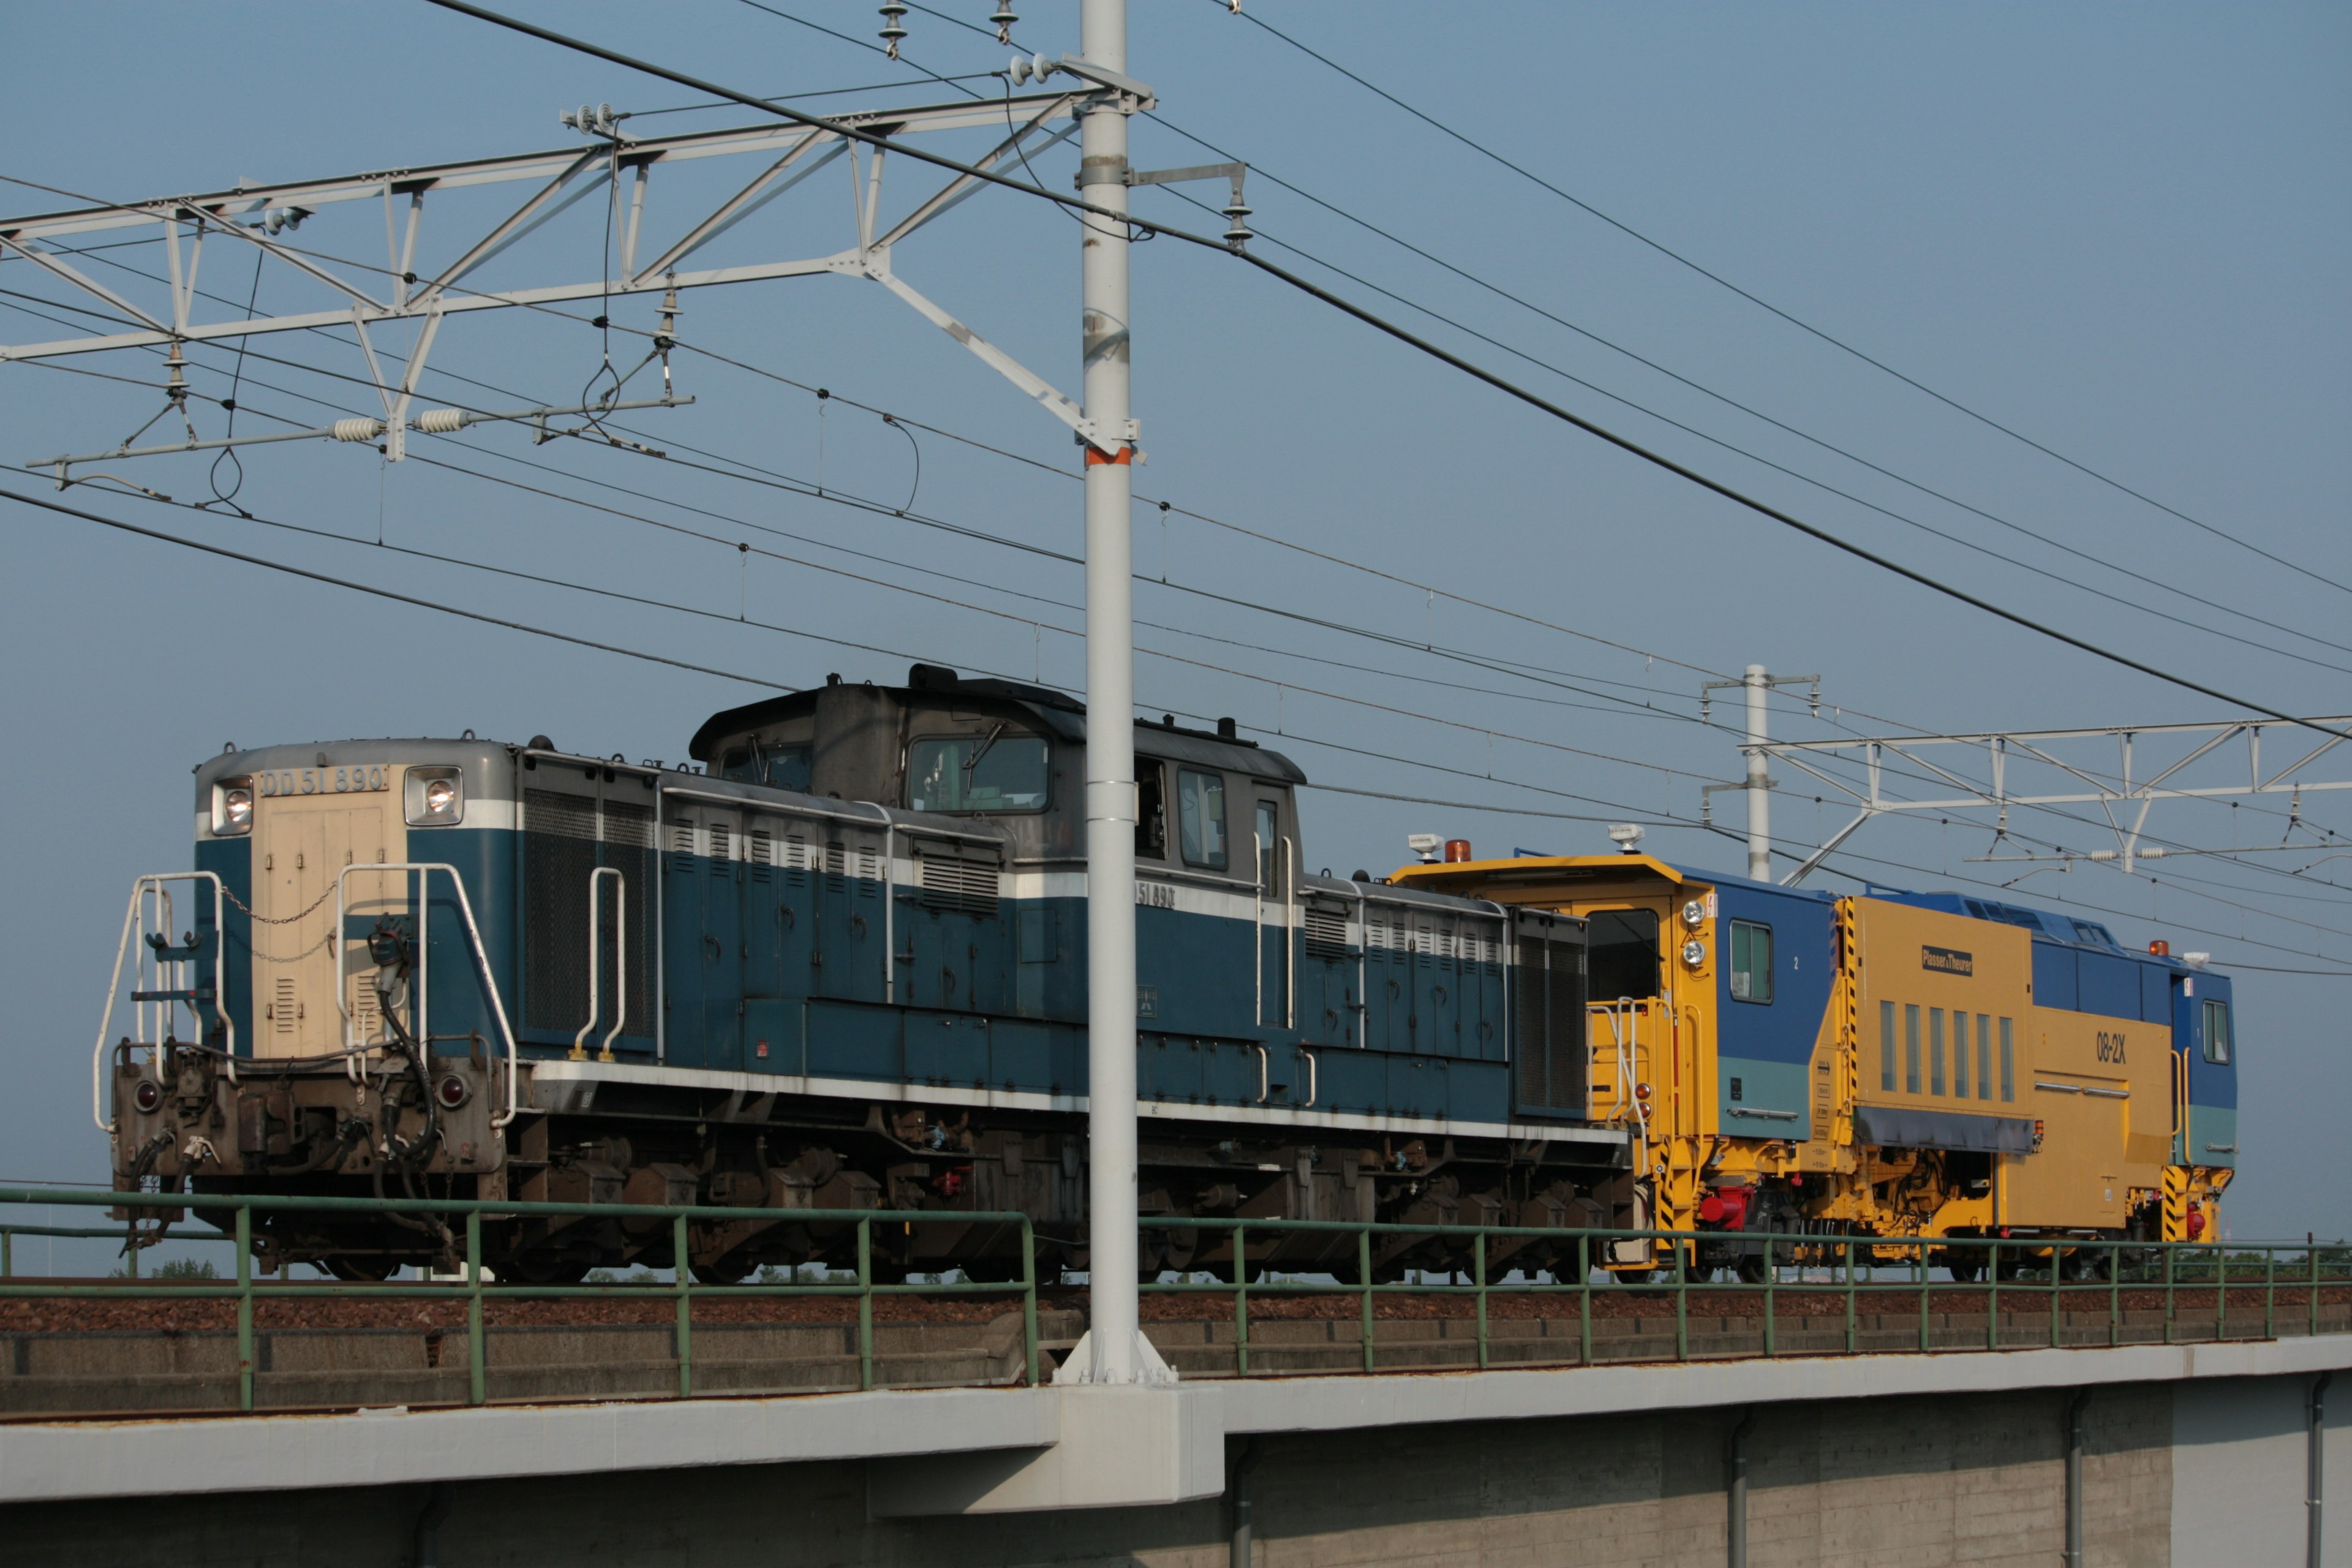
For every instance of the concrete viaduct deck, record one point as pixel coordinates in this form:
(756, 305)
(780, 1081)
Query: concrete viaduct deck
(2187, 1453)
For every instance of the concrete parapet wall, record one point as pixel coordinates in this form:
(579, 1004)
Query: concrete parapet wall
(173, 1371)
(155, 1370)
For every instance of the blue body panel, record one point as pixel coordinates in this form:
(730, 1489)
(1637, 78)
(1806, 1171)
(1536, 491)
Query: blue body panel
(457, 1002)
(781, 970)
(1763, 1049)
(231, 859)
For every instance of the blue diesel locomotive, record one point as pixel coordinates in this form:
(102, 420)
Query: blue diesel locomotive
(840, 965)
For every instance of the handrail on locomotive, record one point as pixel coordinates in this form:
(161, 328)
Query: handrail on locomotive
(596, 963)
(151, 892)
(423, 869)
(169, 963)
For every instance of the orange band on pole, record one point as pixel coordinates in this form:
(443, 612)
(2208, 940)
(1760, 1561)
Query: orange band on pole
(1095, 457)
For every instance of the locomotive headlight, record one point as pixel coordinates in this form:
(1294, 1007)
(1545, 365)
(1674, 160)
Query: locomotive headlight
(1694, 952)
(233, 806)
(436, 798)
(1694, 913)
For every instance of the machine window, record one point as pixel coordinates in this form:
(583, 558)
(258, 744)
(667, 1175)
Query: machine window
(1623, 960)
(1959, 1054)
(995, 772)
(1984, 1055)
(1201, 817)
(2216, 1032)
(2008, 1061)
(1150, 810)
(1269, 845)
(1935, 1050)
(1886, 1046)
(778, 767)
(1751, 962)
(1911, 1048)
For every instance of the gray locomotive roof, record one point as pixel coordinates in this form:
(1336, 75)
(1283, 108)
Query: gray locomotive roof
(429, 749)
(1056, 712)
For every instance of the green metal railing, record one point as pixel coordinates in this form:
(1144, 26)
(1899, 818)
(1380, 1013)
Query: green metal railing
(2031, 1293)
(475, 1289)
(1852, 1269)
(9, 1233)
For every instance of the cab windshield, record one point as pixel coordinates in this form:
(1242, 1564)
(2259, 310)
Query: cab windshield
(778, 767)
(993, 773)
(1623, 957)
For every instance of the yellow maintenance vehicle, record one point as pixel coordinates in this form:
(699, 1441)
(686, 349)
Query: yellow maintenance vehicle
(1894, 1064)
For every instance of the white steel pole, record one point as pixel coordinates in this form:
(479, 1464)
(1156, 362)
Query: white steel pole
(1759, 786)
(1110, 727)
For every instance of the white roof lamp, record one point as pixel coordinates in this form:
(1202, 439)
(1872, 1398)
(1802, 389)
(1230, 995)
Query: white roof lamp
(1627, 835)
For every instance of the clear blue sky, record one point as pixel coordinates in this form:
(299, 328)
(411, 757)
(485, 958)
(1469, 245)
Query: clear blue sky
(2120, 230)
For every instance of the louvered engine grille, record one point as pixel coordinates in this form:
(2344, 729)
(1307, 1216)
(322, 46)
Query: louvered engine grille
(1327, 933)
(1549, 1036)
(565, 837)
(949, 882)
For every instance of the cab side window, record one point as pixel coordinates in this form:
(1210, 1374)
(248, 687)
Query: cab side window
(1751, 962)
(1200, 818)
(1150, 810)
(2216, 1032)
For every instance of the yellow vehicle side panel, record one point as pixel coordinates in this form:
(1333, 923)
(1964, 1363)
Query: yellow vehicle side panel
(2085, 1101)
(1911, 958)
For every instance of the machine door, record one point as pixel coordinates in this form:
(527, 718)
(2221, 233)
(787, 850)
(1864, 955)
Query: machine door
(2184, 1046)
(2204, 1072)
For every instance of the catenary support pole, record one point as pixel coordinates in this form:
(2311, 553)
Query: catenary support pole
(1735, 1490)
(1111, 1241)
(1240, 1549)
(2073, 1557)
(1759, 786)
(2317, 1467)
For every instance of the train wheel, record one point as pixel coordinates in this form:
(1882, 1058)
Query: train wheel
(731, 1270)
(1965, 1268)
(548, 1267)
(360, 1268)
(2085, 1264)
